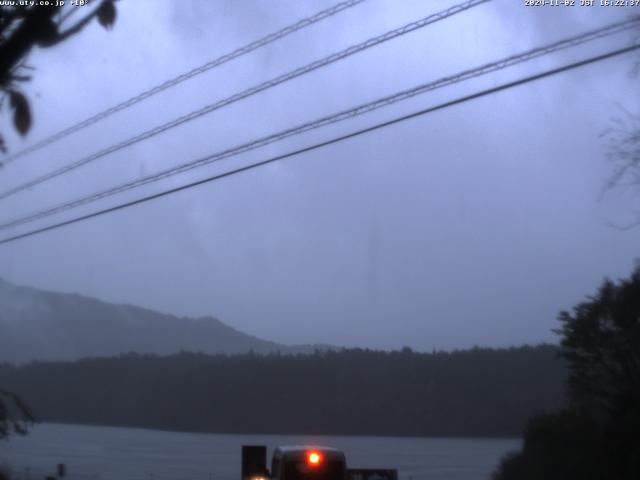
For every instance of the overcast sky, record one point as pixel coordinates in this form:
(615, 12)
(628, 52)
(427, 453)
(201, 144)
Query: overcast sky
(473, 225)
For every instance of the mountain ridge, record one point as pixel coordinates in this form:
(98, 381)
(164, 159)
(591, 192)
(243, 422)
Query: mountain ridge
(39, 324)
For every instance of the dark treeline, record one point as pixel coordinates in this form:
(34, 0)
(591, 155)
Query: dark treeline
(477, 392)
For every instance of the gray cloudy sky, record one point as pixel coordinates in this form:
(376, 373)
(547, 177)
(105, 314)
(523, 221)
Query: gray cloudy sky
(472, 225)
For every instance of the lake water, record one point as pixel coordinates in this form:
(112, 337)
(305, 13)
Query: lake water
(111, 453)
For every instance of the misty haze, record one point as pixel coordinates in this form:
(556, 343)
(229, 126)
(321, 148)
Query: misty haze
(317, 240)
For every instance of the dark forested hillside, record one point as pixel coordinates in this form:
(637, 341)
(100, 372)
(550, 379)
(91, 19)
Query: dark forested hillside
(478, 392)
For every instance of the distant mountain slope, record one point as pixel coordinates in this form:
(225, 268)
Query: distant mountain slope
(42, 325)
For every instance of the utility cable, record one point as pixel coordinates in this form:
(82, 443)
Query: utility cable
(410, 27)
(335, 140)
(328, 120)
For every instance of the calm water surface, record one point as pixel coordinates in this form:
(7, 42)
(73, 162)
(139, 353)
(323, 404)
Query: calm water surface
(110, 453)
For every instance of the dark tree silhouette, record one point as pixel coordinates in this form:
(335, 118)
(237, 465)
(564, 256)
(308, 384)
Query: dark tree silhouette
(23, 27)
(596, 437)
(601, 342)
(623, 150)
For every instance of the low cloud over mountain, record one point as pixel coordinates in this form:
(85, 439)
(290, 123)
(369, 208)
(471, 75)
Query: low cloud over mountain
(42, 325)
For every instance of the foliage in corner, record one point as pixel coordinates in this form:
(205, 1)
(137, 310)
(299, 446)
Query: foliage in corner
(623, 151)
(15, 415)
(601, 342)
(21, 28)
(596, 436)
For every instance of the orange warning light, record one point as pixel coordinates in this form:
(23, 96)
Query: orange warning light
(314, 458)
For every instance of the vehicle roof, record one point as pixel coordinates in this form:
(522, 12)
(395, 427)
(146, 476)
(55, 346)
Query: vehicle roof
(287, 450)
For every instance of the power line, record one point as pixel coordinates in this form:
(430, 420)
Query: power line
(272, 37)
(333, 118)
(372, 42)
(378, 126)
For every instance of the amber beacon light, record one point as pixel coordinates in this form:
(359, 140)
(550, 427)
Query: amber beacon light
(314, 458)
